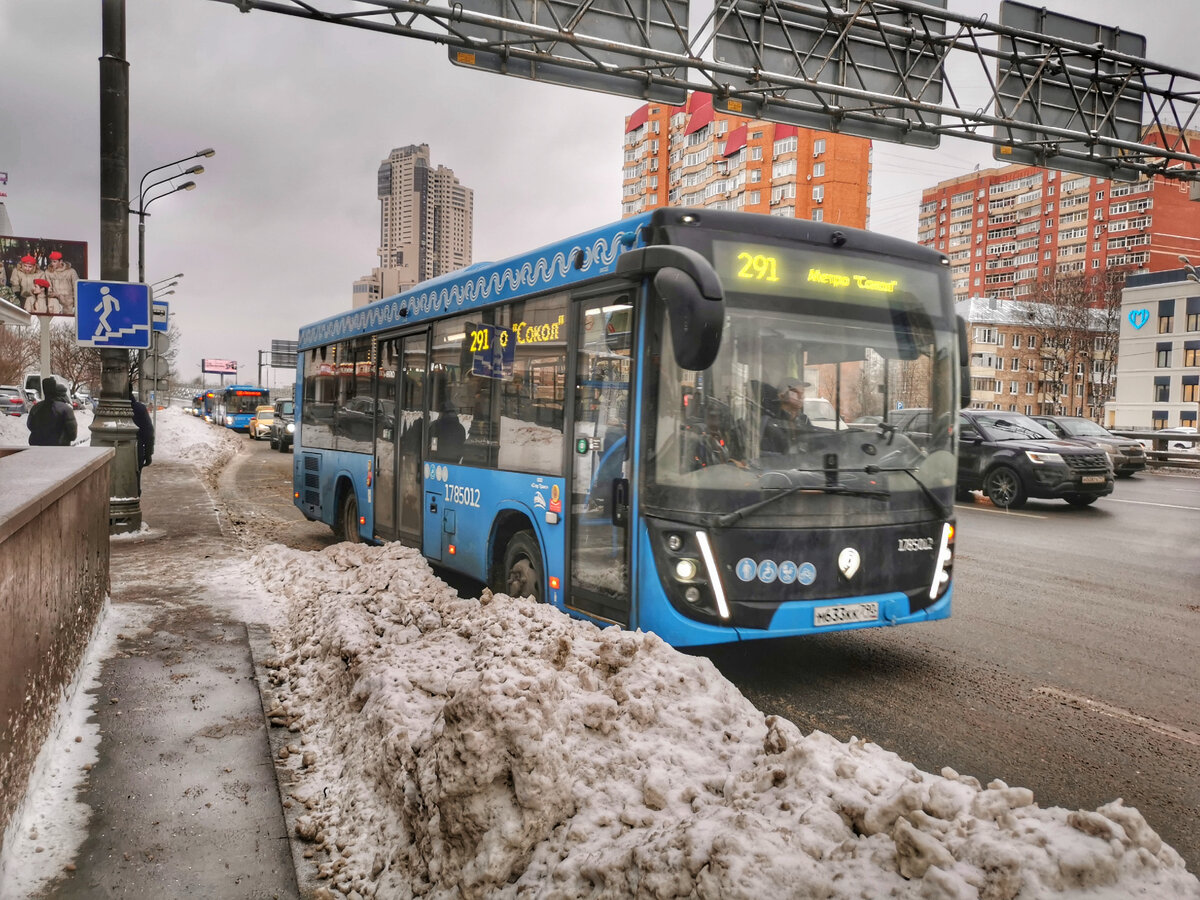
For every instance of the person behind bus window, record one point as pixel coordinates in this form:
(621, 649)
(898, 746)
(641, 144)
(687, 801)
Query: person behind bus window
(447, 434)
(782, 432)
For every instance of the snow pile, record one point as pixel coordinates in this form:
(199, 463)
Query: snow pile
(179, 437)
(494, 747)
(182, 437)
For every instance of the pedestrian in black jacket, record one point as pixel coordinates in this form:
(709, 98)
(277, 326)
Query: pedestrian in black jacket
(145, 427)
(52, 420)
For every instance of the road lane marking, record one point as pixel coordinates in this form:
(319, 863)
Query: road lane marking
(1124, 715)
(1148, 503)
(996, 509)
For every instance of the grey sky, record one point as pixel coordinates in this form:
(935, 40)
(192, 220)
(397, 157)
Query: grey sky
(301, 114)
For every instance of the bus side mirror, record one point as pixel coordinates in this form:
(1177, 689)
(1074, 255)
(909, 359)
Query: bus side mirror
(693, 295)
(964, 365)
(696, 321)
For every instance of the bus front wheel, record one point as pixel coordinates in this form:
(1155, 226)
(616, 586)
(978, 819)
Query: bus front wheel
(347, 521)
(523, 575)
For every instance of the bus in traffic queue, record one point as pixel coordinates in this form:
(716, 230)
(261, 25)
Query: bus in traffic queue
(595, 424)
(237, 403)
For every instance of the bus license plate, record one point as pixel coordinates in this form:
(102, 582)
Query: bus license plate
(1093, 479)
(850, 612)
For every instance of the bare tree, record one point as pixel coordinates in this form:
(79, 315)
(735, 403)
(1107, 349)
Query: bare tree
(80, 365)
(1077, 320)
(18, 353)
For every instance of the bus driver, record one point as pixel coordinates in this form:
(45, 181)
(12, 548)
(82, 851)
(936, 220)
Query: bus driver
(782, 433)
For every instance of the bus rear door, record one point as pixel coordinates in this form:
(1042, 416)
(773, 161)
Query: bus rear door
(399, 432)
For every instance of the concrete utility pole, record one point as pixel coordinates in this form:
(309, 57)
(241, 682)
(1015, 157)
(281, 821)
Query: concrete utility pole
(113, 425)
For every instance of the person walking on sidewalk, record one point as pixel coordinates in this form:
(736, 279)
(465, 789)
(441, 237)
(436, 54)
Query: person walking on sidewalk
(52, 420)
(145, 443)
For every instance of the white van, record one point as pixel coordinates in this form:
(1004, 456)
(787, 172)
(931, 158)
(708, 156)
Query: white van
(33, 384)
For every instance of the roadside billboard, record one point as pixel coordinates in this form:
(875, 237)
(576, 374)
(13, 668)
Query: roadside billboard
(40, 274)
(219, 366)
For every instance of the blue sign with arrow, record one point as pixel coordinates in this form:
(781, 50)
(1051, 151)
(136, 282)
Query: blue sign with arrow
(112, 314)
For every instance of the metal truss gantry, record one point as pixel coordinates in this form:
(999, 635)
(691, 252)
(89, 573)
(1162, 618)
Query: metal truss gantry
(1056, 91)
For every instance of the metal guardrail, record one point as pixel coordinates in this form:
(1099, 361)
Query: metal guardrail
(1159, 455)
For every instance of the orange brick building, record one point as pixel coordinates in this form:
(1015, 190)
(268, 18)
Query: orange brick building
(694, 155)
(1005, 229)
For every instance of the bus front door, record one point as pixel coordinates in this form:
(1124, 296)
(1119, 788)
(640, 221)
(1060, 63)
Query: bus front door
(600, 469)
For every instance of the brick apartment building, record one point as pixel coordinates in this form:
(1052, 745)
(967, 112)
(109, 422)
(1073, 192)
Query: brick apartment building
(1006, 229)
(694, 155)
(1032, 358)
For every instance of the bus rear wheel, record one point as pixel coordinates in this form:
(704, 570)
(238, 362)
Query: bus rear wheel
(347, 520)
(523, 576)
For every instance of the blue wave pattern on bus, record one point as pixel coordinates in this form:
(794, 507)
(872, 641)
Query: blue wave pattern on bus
(487, 283)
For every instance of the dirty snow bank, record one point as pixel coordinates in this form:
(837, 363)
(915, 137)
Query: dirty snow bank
(488, 747)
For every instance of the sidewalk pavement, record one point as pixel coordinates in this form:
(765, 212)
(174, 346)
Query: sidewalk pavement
(184, 797)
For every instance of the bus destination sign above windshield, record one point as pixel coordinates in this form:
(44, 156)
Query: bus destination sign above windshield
(763, 269)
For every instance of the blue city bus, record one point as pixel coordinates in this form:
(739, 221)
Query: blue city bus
(209, 400)
(597, 424)
(237, 403)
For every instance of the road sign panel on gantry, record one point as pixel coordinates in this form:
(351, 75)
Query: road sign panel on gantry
(1062, 77)
(112, 314)
(842, 44)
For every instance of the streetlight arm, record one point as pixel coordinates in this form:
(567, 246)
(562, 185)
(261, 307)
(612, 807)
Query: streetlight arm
(199, 153)
(142, 202)
(186, 186)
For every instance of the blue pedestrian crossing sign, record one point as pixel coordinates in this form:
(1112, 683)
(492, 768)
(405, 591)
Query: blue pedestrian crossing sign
(112, 314)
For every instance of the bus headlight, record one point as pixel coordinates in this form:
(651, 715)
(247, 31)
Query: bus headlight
(944, 566)
(685, 569)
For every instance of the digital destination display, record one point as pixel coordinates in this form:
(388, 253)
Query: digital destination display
(794, 271)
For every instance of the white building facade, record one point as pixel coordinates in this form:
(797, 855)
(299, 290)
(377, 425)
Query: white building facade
(1158, 367)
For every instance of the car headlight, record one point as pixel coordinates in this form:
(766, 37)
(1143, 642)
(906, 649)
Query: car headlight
(291, 427)
(1043, 459)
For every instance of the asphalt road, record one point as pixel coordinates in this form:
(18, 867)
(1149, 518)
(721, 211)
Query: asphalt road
(1068, 665)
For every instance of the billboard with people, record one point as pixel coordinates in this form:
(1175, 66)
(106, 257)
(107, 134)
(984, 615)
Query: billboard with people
(40, 274)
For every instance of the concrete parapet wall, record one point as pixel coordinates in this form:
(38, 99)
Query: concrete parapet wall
(53, 581)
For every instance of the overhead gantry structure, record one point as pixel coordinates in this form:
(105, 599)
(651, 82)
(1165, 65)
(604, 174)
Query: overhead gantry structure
(1053, 90)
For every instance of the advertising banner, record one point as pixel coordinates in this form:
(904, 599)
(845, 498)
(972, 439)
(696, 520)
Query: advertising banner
(220, 366)
(40, 274)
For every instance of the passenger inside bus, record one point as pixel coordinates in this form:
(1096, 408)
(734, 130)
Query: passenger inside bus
(446, 433)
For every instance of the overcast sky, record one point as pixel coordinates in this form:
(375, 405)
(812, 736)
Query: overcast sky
(285, 216)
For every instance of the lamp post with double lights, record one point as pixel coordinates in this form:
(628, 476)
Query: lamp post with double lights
(113, 424)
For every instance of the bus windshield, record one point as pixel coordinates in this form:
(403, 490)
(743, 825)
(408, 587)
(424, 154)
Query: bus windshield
(796, 404)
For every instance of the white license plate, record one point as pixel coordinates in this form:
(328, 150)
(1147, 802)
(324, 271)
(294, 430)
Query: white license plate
(1092, 479)
(849, 612)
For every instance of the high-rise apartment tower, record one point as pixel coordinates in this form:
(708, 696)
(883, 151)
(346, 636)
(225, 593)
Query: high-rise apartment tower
(694, 155)
(425, 224)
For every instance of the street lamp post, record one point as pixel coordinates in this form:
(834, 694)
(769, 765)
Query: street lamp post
(113, 424)
(144, 201)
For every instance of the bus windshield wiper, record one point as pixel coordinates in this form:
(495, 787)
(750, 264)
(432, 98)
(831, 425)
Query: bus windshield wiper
(826, 487)
(938, 506)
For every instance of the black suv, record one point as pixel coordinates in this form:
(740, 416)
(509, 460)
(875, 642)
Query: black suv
(1012, 458)
(1126, 455)
(283, 427)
